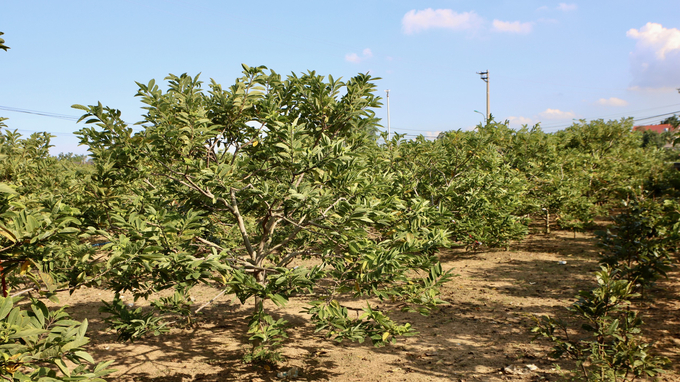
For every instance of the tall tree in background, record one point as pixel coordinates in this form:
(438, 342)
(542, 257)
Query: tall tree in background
(672, 120)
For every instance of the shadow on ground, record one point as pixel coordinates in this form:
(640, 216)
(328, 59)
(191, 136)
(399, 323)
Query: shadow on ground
(217, 342)
(484, 328)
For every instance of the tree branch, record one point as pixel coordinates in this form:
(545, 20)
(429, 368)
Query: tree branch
(211, 300)
(242, 226)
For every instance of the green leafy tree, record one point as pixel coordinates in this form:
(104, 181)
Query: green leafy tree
(266, 188)
(601, 163)
(651, 138)
(673, 120)
(467, 176)
(534, 155)
(39, 230)
(43, 249)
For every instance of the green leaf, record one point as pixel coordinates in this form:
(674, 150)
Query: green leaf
(84, 355)
(7, 233)
(27, 333)
(6, 189)
(82, 329)
(6, 307)
(62, 366)
(74, 344)
(69, 230)
(38, 311)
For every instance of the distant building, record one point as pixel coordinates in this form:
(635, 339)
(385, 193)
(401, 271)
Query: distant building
(655, 128)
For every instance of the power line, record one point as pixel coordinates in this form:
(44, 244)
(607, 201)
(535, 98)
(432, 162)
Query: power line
(555, 128)
(656, 116)
(40, 113)
(638, 111)
(623, 115)
(50, 115)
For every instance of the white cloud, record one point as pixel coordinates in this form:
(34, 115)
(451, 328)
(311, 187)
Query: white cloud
(355, 58)
(542, 8)
(512, 26)
(656, 58)
(519, 121)
(557, 114)
(655, 37)
(564, 7)
(416, 21)
(431, 134)
(613, 101)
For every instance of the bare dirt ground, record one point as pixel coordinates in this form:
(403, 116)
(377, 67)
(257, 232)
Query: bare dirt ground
(483, 331)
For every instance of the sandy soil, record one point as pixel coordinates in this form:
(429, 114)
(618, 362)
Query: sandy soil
(483, 335)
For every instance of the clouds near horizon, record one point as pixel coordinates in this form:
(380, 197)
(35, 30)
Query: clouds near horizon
(613, 101)
(548, 114)
(557, 114)
(656, 58)
(521, 121)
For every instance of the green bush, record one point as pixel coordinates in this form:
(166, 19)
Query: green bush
(613, 349)
(36, 343)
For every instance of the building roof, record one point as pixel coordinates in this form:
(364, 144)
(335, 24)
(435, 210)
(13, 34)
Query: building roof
(656, 128)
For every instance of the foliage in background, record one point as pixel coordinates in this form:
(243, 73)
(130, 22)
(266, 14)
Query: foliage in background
(43, 248)
(673, 120)
(637, 252)
(466, 175)
(38, 251)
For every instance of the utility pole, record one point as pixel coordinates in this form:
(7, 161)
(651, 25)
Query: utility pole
(485, 78)
(388, 113)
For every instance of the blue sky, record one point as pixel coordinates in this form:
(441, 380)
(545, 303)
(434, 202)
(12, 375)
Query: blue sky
(549, 62)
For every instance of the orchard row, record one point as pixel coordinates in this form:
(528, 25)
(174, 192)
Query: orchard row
(277, 187)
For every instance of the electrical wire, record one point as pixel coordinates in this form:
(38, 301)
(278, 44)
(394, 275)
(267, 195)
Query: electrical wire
(656, 116)
(40, 113)
(410, 133)
(555, 128)
(50, 115)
